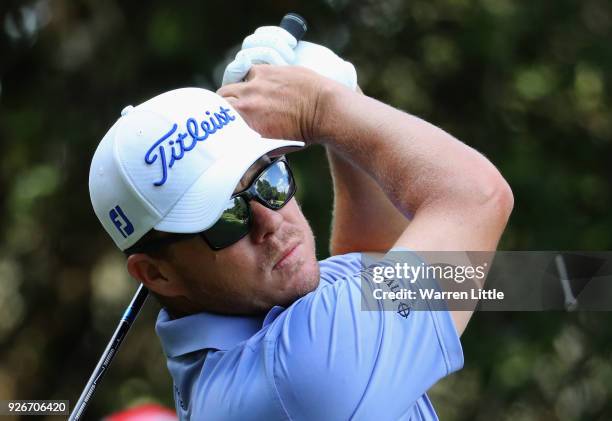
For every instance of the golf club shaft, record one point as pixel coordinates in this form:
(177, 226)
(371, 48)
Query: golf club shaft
(111, 349)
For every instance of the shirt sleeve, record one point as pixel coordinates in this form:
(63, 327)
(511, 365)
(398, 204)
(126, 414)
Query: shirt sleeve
(337, 267)
(332, 360)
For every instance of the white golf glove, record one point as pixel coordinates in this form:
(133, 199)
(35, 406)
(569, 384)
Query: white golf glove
(274, 45)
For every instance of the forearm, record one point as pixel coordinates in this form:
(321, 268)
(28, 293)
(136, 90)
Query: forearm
(414, 162)
(364, 219)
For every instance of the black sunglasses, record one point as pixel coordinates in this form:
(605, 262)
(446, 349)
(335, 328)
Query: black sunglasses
(273, 187)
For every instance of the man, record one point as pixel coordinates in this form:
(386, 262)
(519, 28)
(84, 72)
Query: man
(252, 326)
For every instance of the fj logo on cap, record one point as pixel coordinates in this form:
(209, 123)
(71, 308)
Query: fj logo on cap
(123, 224)
(180, 144)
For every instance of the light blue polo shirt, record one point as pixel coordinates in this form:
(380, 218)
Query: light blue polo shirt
(322, 358)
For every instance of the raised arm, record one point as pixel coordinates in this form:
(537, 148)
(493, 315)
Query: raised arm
(459, 200)
(456, 197)
(364, 219)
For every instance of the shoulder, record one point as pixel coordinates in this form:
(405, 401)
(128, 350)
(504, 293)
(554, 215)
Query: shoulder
(326, 351)
(339, 266)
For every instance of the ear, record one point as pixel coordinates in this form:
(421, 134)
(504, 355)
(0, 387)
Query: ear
(154, 274)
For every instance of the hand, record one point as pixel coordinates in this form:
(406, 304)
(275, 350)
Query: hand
(283, 102)
(274, 45)
(326, 63)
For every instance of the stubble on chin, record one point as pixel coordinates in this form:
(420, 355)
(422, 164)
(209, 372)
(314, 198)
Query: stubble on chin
(305, 278)
(302, 279)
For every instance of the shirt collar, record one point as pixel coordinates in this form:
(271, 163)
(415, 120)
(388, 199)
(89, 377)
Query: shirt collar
(204, 330)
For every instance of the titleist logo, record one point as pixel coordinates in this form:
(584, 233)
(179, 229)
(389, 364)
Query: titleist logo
(185, 141)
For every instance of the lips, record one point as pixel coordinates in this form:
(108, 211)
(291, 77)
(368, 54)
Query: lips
(285, 256)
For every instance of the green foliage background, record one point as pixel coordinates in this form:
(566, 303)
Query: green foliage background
(526, 83)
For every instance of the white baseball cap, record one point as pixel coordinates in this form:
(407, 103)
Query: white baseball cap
(172, 163)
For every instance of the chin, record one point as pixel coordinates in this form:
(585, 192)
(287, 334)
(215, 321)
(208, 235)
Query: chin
(308, 280)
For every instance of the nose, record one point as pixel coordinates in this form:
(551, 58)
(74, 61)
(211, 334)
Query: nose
(265, 221)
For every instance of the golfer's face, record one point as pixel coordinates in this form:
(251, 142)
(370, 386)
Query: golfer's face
(273, 265)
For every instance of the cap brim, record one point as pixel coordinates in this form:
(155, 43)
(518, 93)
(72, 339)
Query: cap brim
(202, 204)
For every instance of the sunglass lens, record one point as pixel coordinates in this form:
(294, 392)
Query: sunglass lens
(275, 185)
(232, 226)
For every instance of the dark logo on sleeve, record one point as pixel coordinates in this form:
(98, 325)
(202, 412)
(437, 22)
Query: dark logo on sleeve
(403, 310)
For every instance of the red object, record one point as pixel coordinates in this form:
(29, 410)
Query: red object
(147, 412)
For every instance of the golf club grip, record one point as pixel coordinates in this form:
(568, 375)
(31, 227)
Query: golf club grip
(109, 353)
(294, 24)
